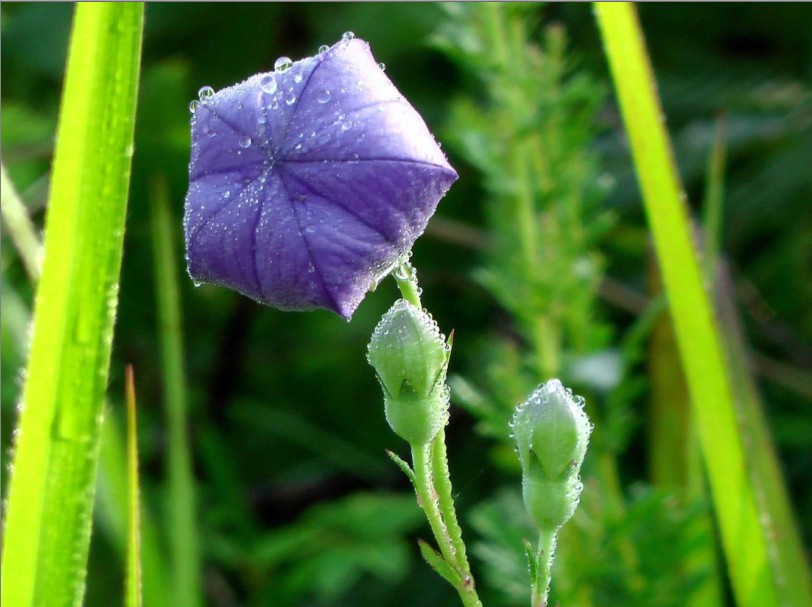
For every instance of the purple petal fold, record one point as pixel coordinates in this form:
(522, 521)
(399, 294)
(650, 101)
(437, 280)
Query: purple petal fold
(307, 184)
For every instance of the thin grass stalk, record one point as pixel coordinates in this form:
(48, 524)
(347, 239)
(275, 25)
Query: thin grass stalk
(132, 588)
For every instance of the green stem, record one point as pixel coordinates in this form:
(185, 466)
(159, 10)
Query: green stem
(433, 479)
(429, 499)
(442, 484)
(544, 556)
(406, 277)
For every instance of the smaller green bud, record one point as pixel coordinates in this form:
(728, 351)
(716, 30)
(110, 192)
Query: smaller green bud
(551, 431)
(410, 356)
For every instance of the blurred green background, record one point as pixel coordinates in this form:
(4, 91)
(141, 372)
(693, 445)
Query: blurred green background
(298, 504)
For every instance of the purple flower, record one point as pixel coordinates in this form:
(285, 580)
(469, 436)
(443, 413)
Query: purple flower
(308, 183)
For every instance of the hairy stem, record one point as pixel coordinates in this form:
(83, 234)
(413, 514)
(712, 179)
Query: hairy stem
(544, 557)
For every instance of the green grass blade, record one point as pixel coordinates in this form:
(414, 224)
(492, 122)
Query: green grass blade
(745, 543)
(712, 206)
(181, 495)
(790, 564)
(132, 590)
(111, 515)
(50, 498)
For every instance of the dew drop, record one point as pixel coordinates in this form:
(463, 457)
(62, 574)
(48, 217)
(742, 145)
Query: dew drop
(227, 194)
(382, 66)
(205, 92)
(193, 105)
(323, 49)
(268, 84)
(245, 141)
(297, 78)
(346, 125)
(282, 64)
(290, 99)
(347, 36)
(323, 96)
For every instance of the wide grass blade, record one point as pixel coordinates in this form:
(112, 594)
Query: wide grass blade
(181, 517)
(50, 498)
(755, 577)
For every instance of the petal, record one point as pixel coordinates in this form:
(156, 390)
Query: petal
(305, 185)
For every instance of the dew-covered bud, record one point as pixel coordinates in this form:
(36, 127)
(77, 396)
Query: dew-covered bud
(410, 356)
(551, 431)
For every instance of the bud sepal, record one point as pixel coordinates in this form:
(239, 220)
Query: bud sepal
(410, 357)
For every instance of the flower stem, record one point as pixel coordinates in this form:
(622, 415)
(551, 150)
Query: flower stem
(406, 277)
(442, 484)
(541, 584)
(433, 480)
(436, 506)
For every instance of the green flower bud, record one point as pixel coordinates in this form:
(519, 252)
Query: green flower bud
(410, 356)
(551, 431)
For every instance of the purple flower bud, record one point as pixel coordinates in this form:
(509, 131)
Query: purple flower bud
(309, 182)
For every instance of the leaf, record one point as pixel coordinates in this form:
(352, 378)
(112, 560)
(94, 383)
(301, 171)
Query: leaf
(402, 465)
(308, 182)
(439, 564)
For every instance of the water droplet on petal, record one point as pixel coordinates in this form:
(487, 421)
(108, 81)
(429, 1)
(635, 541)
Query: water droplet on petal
(282, 64)
(193, 104)
(347, 36)
(205, 92)
(382, 66)
(323, 96)
(245, 141)
(290, 99)
(346, 125)
(268, 84)
(323, 49)
(297, 78)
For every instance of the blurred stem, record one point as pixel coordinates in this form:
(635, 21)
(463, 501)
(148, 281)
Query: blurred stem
(182, 511)
(615, 504)
(523, 156)
(713, 204)
(19, 226)
(544, 557)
